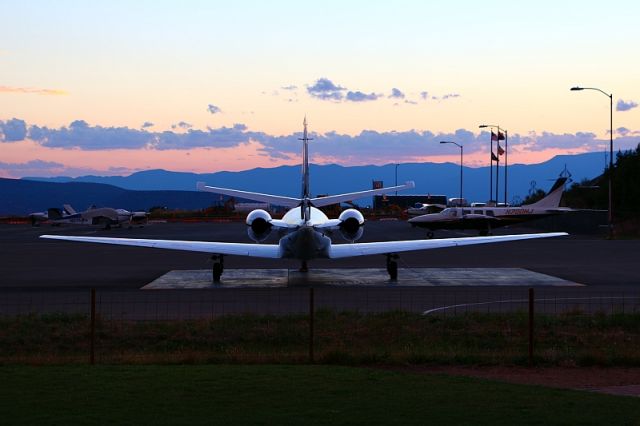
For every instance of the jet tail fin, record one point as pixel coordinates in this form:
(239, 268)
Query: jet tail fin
(305, 161)
(552, 199)
(70, 210)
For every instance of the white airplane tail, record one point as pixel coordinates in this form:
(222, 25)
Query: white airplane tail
(70, 210)
(552, 199)
(305, 200)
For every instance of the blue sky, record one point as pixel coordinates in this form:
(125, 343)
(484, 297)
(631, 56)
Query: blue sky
(433, 68)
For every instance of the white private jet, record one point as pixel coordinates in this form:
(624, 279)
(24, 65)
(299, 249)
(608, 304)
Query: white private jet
(485, 218)
(306, 229)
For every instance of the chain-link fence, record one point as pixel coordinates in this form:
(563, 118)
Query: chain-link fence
(326, 324)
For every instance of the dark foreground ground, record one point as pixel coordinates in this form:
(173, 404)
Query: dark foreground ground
(29, 262)
(288, 395)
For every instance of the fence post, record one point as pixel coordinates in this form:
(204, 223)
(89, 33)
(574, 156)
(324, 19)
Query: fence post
(531, 307)
(311, 324)
(92, 330)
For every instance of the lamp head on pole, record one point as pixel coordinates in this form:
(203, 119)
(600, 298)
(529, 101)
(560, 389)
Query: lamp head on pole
(452, 142)
(576, 88)
(482, 126)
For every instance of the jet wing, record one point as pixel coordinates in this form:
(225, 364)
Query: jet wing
(335, 199)
(386, 247)
(237, 249)
(256, 196)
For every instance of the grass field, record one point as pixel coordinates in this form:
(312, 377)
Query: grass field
(266, 394)
(344, 338)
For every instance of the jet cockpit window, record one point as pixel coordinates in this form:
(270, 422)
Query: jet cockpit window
(477, 212)
(489, 212)
(466, 211)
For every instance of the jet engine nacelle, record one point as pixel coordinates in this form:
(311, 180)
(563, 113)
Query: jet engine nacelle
(351, 221)
(259, 222)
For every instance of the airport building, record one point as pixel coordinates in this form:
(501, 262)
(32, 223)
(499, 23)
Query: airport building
(406, 201)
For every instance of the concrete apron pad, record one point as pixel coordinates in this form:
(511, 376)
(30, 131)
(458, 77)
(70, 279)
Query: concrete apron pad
(355, 277)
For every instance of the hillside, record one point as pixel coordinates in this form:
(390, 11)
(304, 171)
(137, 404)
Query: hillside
(433, 178)
(21, 197)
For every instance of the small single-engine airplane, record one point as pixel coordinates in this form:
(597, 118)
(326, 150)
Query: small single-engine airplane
(103, 216)
(485, 218)
(305, 230)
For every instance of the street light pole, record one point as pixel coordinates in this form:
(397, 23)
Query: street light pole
(397, 179)
(461, 162)
(610, 95)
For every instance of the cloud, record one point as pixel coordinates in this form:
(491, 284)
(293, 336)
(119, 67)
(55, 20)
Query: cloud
(181, 125)
(223, 137)
(31, 90)
(147, 124)
(424, 95)
(625, 106)
(325, 89)
(368, 146)
(358, 96)
(289, 87)
(450, 96)
(213, 109)
(396, 93)
(80, 135)
(13, 130)
(409, 101)
(39, 168)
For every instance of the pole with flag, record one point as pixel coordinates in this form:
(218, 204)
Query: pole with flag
(500, 152)
(493, 158)
(506, 157)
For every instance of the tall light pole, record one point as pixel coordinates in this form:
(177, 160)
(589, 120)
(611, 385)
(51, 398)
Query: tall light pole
(610, 95)
(461, 159)
(397, 179)
(483, 126)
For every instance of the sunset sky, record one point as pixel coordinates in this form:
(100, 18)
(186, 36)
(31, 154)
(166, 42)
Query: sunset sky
(119, 86)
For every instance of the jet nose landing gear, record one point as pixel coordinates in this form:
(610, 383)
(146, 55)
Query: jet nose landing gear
(392, 266)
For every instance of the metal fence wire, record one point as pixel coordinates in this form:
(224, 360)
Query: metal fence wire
(290, 324)
(170, 305)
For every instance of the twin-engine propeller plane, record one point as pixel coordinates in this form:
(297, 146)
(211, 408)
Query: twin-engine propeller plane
(305, 230)
(486, 218)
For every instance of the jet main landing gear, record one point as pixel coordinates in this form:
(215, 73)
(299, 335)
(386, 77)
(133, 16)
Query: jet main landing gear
(392, 266)
(218, 267)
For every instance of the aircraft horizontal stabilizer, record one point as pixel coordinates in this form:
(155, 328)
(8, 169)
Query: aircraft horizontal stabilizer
(335, 199)
(277, 200)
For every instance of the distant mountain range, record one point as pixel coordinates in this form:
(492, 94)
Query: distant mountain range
(21, 197)
(160, 187)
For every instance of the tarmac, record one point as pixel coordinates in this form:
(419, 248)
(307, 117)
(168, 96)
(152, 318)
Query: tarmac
(355, 277)
(40, 276)
(30, 262)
